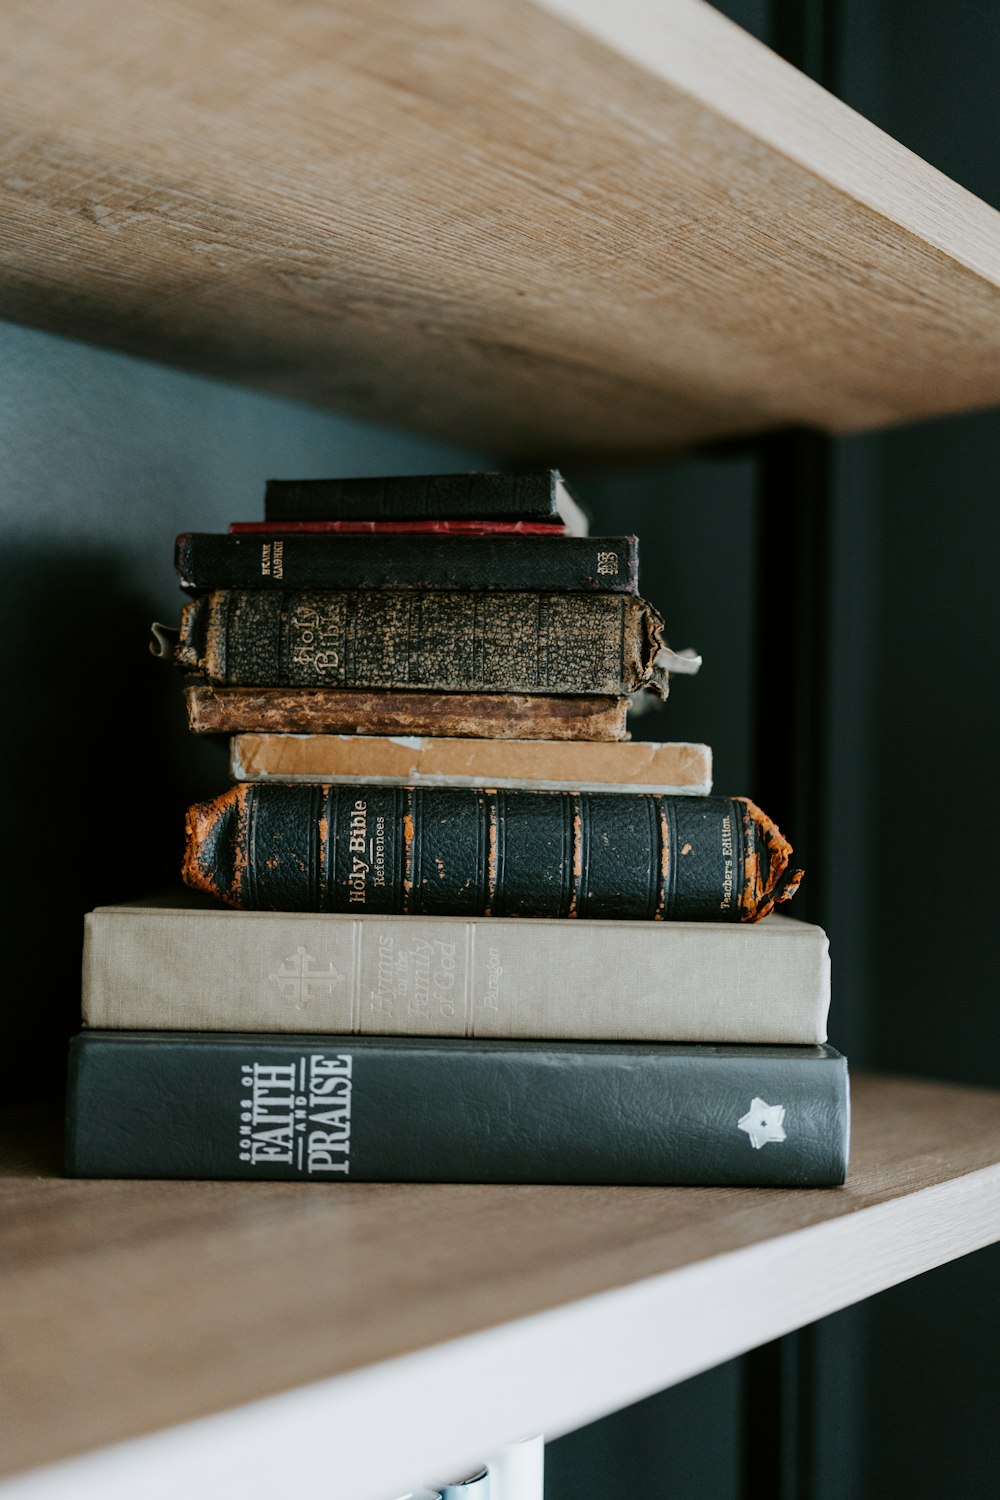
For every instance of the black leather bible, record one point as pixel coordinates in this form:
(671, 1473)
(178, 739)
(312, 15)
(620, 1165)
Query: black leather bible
(579, 565)
(340, 1109)
(472, 852)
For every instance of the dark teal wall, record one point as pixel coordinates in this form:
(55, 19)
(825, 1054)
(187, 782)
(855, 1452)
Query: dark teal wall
(105, 458)
(897, 1399)
(930, 75)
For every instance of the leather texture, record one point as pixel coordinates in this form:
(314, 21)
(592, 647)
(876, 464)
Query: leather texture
(422, 560)
(416, 497)
(155, 1104)
(496, 716)
(473, 852)
(412, 640)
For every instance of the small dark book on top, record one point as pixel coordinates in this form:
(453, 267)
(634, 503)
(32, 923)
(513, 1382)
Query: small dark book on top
(541, 496)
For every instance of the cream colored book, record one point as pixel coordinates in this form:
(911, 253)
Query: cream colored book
(165, 968)
(534, 765)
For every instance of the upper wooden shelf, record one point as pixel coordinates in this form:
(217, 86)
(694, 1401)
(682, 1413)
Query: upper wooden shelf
(353, 1340)
(544, 227)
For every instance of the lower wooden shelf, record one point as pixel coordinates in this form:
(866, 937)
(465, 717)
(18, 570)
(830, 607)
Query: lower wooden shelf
(235, 1338)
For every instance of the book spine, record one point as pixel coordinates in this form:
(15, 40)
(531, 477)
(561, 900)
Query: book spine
(397, 528)
(339, 1109)
(471, 853)
(504, 716)
(151, 968)
(414, 640)
(580, 565)
(415, 497)
(671, 769)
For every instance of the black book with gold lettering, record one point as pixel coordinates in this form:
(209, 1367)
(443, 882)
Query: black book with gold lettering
(421, 560)
(415, 640)
(476, 852)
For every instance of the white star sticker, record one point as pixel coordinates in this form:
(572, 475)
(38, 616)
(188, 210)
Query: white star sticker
(764, 1122)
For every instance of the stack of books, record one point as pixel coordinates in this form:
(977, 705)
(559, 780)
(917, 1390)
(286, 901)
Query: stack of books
(466, 934)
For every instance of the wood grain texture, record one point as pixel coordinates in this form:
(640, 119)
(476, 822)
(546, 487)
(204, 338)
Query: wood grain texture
(130, 1306)
(537, 225)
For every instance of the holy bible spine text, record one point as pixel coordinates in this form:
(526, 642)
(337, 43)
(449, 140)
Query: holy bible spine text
(478, 852)
(409, 639)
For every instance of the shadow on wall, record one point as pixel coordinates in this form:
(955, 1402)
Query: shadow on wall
(99, 769)
(105, 458)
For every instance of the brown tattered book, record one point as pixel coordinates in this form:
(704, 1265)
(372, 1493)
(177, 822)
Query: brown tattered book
(417, 760)
(506, 716)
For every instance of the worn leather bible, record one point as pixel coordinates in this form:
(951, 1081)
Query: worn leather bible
(424, 640)
(498, 716)
(476, 852)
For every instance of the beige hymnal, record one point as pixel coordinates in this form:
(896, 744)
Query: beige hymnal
(207, 969)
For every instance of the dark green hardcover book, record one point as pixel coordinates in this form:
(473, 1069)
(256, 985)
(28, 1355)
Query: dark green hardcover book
(423, 640)
(474, 852)
(337, 1109)
(579, 565)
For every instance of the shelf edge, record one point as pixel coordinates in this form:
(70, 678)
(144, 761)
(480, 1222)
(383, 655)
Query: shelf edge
(553, 1371)
(697, 51)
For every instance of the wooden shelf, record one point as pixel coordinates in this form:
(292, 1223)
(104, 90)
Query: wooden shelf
(365, 1336)
(544, 227)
